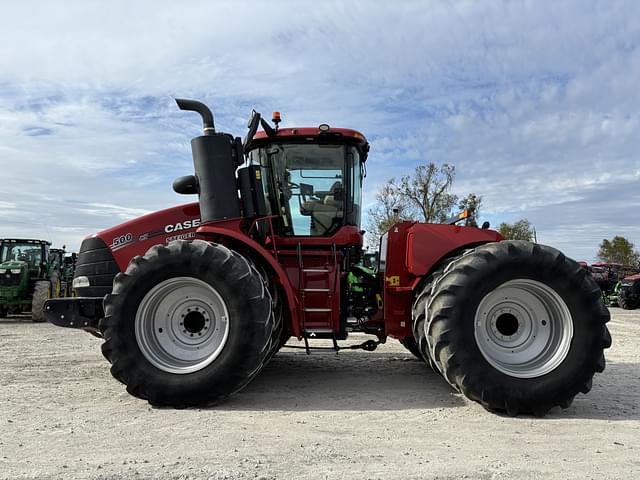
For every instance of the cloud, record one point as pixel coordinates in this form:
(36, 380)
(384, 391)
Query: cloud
(536, 105)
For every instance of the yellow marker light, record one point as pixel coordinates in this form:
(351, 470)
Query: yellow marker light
(393, 281)
(463, 214)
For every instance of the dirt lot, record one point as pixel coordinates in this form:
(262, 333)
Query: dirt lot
(355, 415)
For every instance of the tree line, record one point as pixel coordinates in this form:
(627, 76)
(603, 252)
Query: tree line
(425, 196)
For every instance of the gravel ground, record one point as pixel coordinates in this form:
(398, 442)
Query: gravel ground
(353, 415)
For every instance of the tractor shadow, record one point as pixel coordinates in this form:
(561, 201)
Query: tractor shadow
(356, 381)
(363, 381)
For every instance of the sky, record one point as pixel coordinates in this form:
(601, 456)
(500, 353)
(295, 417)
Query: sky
(535, 103)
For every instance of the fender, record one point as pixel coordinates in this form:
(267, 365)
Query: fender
(413, 251)
(230, 231)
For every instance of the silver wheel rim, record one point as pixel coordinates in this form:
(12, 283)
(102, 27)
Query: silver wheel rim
(182, 325)
(523, 328)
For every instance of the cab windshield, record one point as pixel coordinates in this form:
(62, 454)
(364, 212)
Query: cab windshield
(315, 187)
(25, 252)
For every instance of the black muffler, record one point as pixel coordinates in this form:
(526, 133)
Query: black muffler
(215, 159)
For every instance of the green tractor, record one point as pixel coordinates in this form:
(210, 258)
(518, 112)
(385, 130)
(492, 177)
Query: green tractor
(611, 300)
(65, 263)
(28, 277)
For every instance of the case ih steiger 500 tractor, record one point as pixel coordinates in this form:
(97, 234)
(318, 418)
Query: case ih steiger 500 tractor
(193, 301)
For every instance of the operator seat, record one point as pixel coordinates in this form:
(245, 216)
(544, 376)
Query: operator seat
(323, 212)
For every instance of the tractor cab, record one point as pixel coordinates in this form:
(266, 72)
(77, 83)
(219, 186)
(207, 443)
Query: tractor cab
(17, 254)
(57, 257)
(311, 178)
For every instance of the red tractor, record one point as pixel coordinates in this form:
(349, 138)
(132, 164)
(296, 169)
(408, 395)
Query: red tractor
(193, 301)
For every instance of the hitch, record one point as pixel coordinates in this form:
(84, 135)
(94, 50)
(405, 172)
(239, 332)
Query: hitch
(369, 346)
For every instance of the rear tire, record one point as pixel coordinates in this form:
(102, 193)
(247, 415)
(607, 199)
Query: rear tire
(41, 293)
(150, 335)
(517, 327)
(56, 286)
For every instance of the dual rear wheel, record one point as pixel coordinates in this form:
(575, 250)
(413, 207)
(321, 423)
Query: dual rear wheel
(513, 325)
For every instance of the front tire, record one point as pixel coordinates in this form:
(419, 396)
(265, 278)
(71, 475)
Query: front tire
(187, 324)
(516, 326)
(41, 293)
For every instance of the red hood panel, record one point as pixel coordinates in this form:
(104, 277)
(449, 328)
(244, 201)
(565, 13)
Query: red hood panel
(136, 236)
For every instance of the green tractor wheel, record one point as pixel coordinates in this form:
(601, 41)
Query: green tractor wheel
(41, 293)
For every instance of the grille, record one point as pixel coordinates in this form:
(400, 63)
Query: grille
(9, 279)
(95, 262)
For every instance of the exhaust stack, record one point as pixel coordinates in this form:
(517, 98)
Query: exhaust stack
(215, 158)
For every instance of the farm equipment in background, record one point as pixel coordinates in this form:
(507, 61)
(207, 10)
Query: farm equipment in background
(611, 300)
(607, 275)
(194, 300)
(629, 293)
(28, 277)
(65, 264)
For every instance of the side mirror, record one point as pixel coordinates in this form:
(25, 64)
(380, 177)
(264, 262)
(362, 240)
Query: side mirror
(187, 185)
(252, 125)
(485, 225)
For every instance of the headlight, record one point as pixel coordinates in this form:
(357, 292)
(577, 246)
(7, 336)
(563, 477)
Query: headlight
(80, 282)
(15, 270)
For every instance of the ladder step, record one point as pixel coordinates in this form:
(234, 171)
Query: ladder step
(316, 270)
(317, 310)
(317, 334)
(316, 290)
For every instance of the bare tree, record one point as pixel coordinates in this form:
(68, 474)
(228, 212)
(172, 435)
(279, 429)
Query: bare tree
(390, 208)
(427, 191)
(423, 196)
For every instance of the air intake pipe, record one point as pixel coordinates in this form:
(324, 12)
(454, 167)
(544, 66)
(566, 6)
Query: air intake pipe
(215, 158)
